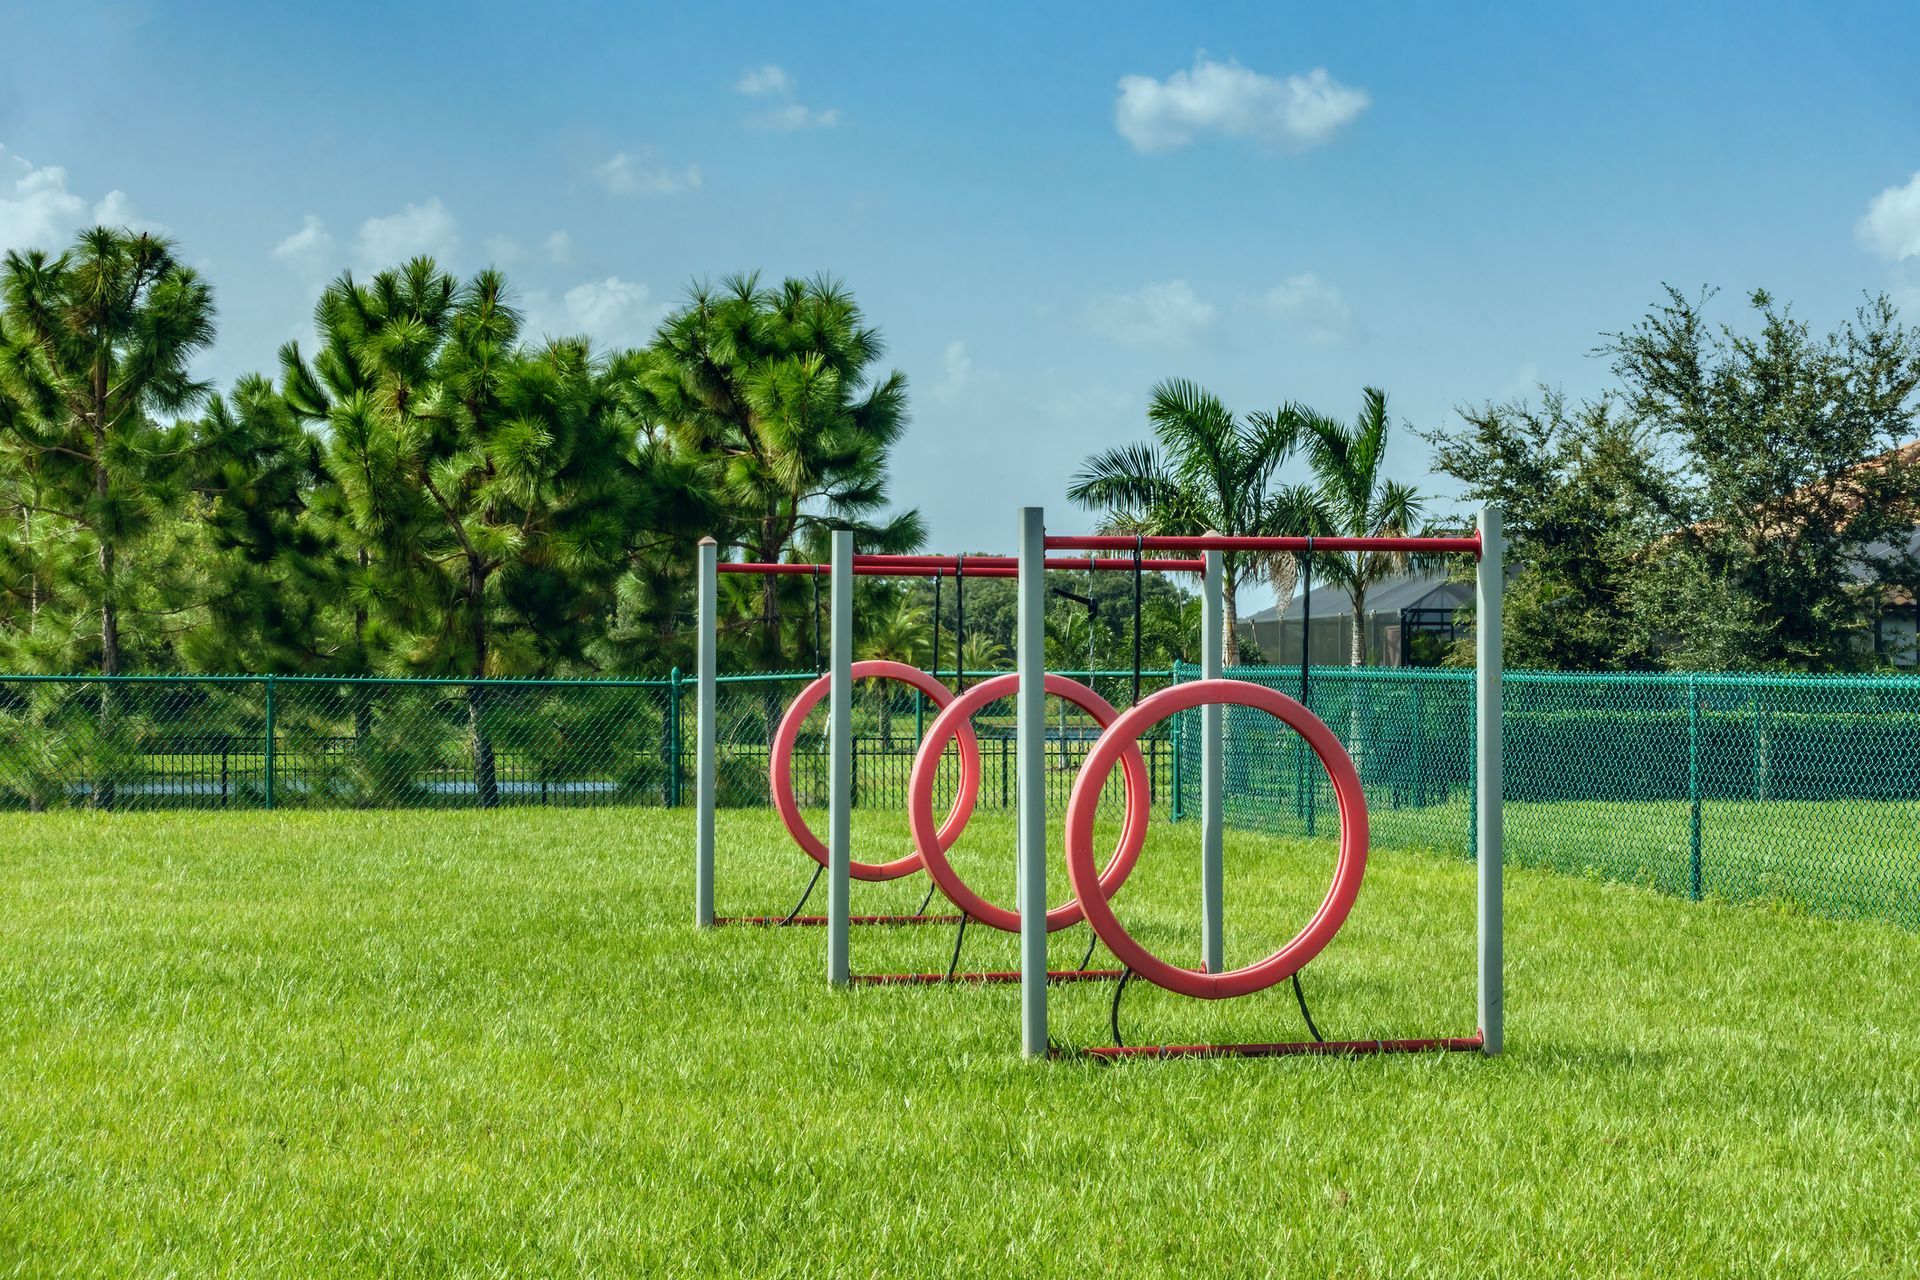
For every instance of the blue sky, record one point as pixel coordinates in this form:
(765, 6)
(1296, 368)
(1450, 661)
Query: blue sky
(1045, 210)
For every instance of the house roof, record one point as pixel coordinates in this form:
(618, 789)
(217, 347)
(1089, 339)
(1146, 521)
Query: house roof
(1405, 591)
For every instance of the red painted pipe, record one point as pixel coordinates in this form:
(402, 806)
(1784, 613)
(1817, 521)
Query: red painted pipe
(974, 564)
(943, 566)
(859, 570)
(935, 979)
(1302, 1048)
(1203, 542)
(819, 921)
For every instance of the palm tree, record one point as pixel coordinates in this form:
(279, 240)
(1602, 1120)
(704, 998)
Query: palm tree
(1358, 500)
(898, 635)
(1206, 472)
(980, 653)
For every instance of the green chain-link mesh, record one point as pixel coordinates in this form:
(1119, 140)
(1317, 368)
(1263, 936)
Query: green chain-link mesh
(1799, 790)
(147, 742)
(1803, 791)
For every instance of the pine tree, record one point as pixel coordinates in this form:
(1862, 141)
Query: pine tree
(489, 491)
(95, 344)
(773, 391)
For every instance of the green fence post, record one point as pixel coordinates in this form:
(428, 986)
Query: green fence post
(1693, 784)
(1309, 785)
(1473, 791)
(1179, 749)
(270, 709)
(673, 739)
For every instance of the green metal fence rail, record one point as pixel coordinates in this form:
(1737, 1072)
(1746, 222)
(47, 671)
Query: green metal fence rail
(145, 742)
(1802, 791)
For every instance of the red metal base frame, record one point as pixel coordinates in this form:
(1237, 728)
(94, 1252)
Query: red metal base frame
(1304, 1048)
(776, 922)
(936, 979)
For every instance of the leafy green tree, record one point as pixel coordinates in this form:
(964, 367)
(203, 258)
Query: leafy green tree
(1356, 500)
(774, 391)
(1572, 484)
(1206, 471)
(1788, 501)
(490, 487)
(1738, 500)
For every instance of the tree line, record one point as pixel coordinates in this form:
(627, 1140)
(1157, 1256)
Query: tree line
(1738, 500)
(430, 490)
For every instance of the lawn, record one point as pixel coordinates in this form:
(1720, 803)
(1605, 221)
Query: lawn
(488, 1044)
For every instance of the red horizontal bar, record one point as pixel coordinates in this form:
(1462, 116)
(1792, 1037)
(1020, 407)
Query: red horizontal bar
(1220, 542)
(1301, 1048)
(974, 564)
(935, 979)
(784, 570)
(773, 922)
(943, 566)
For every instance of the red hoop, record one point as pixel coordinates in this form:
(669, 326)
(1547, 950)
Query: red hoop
(780, 768)
(1347, 872)
(957, 718)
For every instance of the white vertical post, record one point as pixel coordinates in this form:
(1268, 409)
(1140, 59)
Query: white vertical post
(1212, 820)
(707, 603)
(1030, 708)
(840, 760)
(1490, 582)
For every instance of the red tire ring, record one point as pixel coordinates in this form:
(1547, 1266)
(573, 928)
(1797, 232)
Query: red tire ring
(957, 718)
(1347, 873)
(780, 768)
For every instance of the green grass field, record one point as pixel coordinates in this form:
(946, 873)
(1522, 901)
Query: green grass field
(491, 1044)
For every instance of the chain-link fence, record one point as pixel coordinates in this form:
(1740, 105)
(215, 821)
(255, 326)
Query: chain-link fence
(1800, 790)
(146, 742)
(1803, 791)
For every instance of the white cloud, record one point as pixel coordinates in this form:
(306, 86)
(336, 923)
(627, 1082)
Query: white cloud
(1168, 314)
(764, 80)
(613, 312)
(623, 175)
(116, 210)
(309, 251)
(1312, 304)
(957, 367)
(793, 116)
(559, 247)
(417, 229)
(1227, 98)
(1891, 225)
(503, 250)
(39, 212)
(785, 114)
